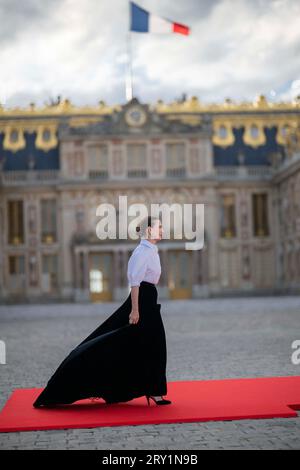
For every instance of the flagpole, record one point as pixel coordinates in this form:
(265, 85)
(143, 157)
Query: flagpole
(129, 84)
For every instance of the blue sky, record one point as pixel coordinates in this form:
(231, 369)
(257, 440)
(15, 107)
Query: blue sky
(77, 49)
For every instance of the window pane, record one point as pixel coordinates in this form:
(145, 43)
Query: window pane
(15, 222)
(175, 160)
(175, 156)
(228, 221)
(98, 158)
(48, 220)
(50, 272)
(260, 215)
(136, 160)
(16, 265)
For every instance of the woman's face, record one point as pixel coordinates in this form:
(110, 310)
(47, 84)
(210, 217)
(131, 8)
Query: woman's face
(156, 231)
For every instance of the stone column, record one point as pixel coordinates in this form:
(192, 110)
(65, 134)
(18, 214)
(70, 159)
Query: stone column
(195, 267)
(116, 268)
(125, 258)
(76, 267)
(86, 281)
(212, 231)
(276, 203)
(82, 290)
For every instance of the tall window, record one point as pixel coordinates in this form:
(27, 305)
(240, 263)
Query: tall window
(260, 215)
(50, 273)
(16, 270)
(136, 160)
(16, 265)
(48, 220)
(98, 161)
(15, 212)
(228, 221)
(175, 159)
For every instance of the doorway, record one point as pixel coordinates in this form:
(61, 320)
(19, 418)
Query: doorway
(100, 276)
(180, 274)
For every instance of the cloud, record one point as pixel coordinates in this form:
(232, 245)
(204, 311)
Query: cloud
(77, 48)
(234, 55)
(16, 17)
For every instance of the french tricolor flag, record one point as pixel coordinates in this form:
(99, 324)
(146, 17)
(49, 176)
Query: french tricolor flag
(144, 22)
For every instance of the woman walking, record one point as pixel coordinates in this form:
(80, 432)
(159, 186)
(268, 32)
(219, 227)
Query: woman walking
(125, 357)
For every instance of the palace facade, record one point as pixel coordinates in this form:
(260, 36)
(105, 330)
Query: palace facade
(57, 164)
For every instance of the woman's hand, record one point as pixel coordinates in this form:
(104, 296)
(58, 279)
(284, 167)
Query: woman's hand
(134, 316)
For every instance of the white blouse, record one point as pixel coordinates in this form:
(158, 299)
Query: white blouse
(144, 264)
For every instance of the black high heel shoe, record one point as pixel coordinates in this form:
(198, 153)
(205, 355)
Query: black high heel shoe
(158, 402)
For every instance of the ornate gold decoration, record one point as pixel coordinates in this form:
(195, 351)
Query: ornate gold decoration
(225, 117)
(289, 123)
(13, 138)
(223, 133)
(254, 134)
(282, 133)
(191, 119)
(83, 122)
(285, 129)
(261, 102)
(192, 105)
(293, 140)
(44, 143)
(65, 107)
(8, 125)
(230, 106)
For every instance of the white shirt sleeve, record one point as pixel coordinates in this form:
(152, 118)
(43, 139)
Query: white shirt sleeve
(137, 267)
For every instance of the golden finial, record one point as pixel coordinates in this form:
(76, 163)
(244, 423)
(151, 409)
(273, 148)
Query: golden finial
(261, 102)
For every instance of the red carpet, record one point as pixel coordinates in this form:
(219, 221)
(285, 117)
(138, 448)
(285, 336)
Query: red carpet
(192, 401)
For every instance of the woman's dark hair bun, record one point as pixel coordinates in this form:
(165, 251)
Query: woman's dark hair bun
(148, 221)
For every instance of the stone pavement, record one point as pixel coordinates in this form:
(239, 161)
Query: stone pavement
(206, 339)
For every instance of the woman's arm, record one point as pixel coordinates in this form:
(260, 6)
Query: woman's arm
(137, 267)
(135, 298)
(134, 315)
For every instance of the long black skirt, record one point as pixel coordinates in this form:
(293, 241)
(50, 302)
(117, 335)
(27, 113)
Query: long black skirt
(118, 361)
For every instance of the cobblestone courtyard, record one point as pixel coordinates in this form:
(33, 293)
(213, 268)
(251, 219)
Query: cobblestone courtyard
(206, 339)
